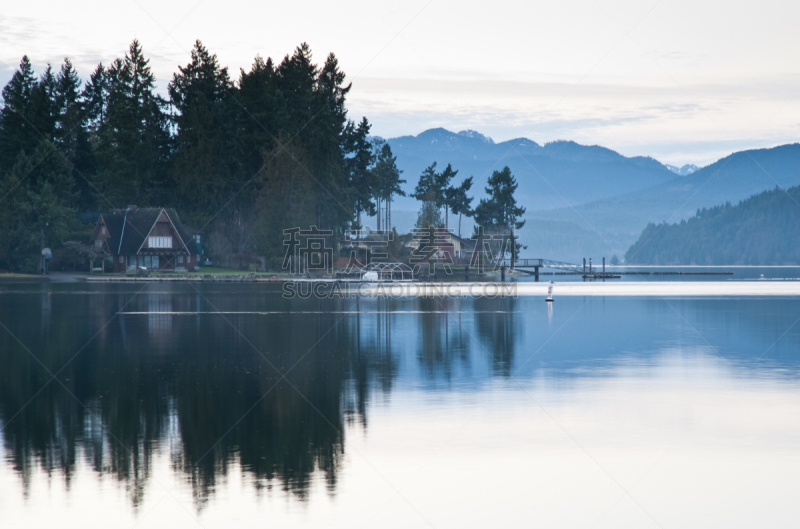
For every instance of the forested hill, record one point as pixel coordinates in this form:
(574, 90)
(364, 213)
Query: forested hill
(762, 230)
(618, 221)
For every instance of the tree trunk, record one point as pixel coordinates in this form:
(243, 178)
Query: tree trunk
(459, 225)
(389, 213)
(378, 216)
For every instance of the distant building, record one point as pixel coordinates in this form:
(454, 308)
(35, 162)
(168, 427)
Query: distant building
(148, 237)
(449, 246)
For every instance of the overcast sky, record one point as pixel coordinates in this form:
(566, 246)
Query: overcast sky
(682, 81)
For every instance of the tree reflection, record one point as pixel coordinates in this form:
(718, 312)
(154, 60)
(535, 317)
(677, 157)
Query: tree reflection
(498, 331)
(213, 382)
(443, 340)
(268, 387)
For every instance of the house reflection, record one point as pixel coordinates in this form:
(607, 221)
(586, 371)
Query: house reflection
(159, 319)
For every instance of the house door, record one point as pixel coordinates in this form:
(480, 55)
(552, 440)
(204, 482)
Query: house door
(150, 262)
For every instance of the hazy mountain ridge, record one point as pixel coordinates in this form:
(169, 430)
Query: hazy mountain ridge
(558, 174)
(619, 220)
(589, 200)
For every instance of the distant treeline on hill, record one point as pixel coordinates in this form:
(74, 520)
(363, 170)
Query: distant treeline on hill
(762, 230)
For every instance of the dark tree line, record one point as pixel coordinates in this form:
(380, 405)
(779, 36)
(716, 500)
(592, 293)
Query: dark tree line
(241, 160)
(762, 230)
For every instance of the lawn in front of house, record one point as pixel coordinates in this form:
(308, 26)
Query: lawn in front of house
(217, 270)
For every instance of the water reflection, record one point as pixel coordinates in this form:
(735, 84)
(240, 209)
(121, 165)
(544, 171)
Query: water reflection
(272, 393)
(212, 381)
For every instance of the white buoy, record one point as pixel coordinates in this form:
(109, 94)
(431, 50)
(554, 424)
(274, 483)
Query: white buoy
(549, 293)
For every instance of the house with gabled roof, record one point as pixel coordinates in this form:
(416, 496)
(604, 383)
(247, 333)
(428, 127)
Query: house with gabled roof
(145, 237)
(448, 245)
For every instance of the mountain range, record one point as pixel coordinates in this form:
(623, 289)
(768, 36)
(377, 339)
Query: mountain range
(584, 200)
(684, 170)
(550, 176)
(618, 221)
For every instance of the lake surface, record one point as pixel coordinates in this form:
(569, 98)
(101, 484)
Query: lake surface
(225, 405)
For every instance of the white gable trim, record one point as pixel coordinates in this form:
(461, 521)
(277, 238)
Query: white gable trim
(177, 234)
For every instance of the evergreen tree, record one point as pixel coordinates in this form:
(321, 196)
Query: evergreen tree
(436, 186)
(459, 201)
(499, 213)
(444, 191)
(44, 106)
(329, 143)
(71, 134)
(261, 114)
(95, 99)
(428, 184)
(37, 211)
(387, 180)
(286, 198)
(500, 208)
(358, 163)
(133, 140)
(430, 216)
(206, 153)
(298, 77)
(17, 129)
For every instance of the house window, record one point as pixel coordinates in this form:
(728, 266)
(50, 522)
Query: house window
(103, 230)
(180, 259)
(98, 243)
(121, 259)
(159, 242)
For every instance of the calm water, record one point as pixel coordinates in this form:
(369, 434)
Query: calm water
(224, 405)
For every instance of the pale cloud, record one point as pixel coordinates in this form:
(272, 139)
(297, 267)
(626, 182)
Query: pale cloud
(689, 81)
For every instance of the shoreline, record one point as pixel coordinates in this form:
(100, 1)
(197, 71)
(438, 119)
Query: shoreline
(752, 288)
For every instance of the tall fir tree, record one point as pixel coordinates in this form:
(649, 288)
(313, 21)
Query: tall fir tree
(44, 107)
(460, 203)
(95, 100)
(427, 185)
(330, 143)
(17, 128)
(261, 114)
(359, 168)
(500, 209)
(133, 140)
(71, 132)
(206, 151)
(444, 190)
(387, 180)
(499, 214)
